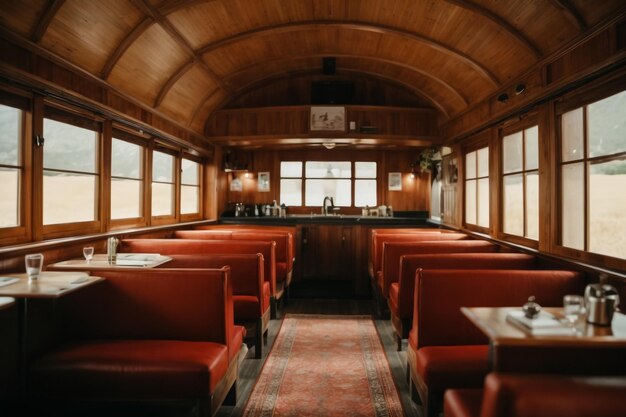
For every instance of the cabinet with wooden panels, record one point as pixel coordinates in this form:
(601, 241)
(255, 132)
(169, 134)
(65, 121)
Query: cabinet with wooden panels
(326, 252)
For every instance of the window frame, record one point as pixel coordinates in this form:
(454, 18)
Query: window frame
(474, 146)
(23, 231)
(521, 127)
(142, 220)
(83, 120)
(589, 95)
(198, 215)
(175, 216)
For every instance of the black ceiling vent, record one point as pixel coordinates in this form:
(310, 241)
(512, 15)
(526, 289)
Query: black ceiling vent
(328, 66)
(332, 92)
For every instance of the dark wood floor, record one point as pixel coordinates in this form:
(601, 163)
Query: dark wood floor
(251, 367)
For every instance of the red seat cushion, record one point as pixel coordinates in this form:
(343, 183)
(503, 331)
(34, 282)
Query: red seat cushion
(442, 367)
(131, 369)
(236, 342)
(281, 271)
(393, 299)
(246, 307)
(462, 402)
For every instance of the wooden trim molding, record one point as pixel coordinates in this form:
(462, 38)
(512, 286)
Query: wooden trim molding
(46, 19)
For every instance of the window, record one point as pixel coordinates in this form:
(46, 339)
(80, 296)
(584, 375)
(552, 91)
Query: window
(70, 175)
(11, 166)
(520, 183)
(126, 180)
(162, 184)
(593, 177)
(477, 187)
(190, 187)
(328, 178)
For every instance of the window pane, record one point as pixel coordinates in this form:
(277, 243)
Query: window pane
(532, 148)
(513, 210)
(69, 148)
(572, 201)
(291, 169)
(339, 190)
(607, 200)
(365, 169)
(483, 162)
(483, 202)
(126, 159)
(291, 192)
(470, 202)
(10, 192)
(607, 125)
(68, 198)
(365, 193)
(190, 173)
(162, 167)
(532, 205)
(162, 199)
(126, 198)
(470, 165)
(512, 153)
(10, 119)
(328, 169)
(189, 199)
(572, 132)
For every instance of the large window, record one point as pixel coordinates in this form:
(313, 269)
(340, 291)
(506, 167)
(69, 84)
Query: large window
(336, 179)
(11, 165)
(190, 187)
(593, 177)
(520, 183)
(126, 180)
(477, 187)
(70, 175)
(163, 184)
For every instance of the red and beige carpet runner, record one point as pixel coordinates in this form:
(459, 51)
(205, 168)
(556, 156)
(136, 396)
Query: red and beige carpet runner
(325, 366)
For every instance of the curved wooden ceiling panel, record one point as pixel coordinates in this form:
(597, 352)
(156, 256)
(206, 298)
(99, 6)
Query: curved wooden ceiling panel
(87, 32)
(147, 64)
(210, 102)
(22, 17)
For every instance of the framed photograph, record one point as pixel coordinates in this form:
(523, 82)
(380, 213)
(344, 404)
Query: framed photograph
(395, 181)
(264, 182)
(328, 119)
(236, 184)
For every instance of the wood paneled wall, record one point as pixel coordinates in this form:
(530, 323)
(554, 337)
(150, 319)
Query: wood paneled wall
(415, 194)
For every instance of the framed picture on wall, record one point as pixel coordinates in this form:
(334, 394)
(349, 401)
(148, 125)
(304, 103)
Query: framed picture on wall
(263, 182)
(328, 119)
(395, 181)
(236, 185)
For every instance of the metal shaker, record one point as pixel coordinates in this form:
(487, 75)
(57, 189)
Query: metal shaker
(601, 300)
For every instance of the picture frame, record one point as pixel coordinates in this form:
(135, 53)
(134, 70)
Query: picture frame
(263, 183)
(236, 185)
(328, 119)
(395, 181)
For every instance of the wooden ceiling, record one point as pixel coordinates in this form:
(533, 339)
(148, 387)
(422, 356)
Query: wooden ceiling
(188, 58)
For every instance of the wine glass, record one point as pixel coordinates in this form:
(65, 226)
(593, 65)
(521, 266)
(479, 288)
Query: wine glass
(573, 307)
(88, 253)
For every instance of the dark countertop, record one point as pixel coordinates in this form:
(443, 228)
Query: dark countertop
(296, 219)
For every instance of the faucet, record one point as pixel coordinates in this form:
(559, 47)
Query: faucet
(325, 206)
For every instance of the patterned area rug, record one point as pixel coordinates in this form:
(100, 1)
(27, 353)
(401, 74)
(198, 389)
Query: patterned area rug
(325, 366)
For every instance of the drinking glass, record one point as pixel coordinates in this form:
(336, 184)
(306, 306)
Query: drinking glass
(88, 253)
(574, 307)
(33, 262)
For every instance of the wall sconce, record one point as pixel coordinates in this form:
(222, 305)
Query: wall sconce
(519, 89)
(329, 145)
(248, 175)
(413, 174)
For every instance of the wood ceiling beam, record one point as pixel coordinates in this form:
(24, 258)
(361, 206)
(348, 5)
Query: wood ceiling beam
(571, 13)
(510, 29)
(204, 100)
(46, 19)
(426, 74)
(124, 45)
(483, 71)
(170, 6)
(172, 80)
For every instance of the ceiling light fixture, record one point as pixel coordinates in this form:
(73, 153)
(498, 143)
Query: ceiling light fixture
(329, 145)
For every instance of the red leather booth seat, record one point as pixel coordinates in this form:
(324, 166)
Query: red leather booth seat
(211, 247)
(401, 293)
(284, 248)
(511, 395)
(8, 349)
(251, 293)
(379, 236)
(445, 349)
(158, 335)
(392, 251)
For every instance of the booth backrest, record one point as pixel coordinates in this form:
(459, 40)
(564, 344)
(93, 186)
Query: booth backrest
(410, 263)
(246, 270)
(440, 294)
(392, 251)
(379, 238)
(205, 247)
(167, 304)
